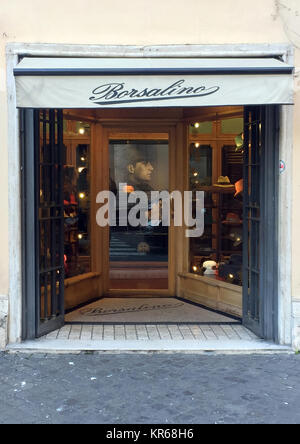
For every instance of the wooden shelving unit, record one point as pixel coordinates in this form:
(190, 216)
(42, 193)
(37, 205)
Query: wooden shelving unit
(219, 200)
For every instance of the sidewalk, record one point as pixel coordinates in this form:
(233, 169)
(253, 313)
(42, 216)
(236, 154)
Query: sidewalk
(149, 388)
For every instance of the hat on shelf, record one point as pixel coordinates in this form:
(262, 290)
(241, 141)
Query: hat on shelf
(232, 267)
(223, 181)
(210, 267)
(236, 259)
(232, 218)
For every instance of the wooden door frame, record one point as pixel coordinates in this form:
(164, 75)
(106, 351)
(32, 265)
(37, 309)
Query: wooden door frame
(124, 129)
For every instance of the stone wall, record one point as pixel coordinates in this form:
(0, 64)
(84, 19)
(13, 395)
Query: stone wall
(3, 323)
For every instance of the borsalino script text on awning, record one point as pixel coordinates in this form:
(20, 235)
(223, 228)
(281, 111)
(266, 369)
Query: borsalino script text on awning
(117, 92)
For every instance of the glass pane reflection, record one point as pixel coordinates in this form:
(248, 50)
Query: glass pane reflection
(77, 214)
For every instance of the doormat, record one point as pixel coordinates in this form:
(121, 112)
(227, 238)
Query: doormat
(146, 311)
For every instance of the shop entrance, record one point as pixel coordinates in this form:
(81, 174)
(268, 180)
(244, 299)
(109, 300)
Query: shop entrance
(229, 154)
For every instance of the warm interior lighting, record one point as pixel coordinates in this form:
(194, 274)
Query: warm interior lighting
(128, 189)
(197, 125)
(81, 195)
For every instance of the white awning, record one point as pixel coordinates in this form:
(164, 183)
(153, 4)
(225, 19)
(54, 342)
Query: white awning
(151, 82)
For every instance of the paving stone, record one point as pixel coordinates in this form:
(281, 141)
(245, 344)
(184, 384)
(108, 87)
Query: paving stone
(149, 388)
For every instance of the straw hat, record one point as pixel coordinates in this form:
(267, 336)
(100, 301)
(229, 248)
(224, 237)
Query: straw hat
(223, 181)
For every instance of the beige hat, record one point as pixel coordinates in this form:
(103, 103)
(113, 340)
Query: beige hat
(223, 181)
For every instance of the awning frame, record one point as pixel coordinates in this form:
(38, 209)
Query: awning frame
(152, 71)
(66, 82)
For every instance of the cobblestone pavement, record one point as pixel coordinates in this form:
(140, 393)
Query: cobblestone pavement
(149, 388)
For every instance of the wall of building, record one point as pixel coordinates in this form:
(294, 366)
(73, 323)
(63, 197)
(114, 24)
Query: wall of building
(140, 22)
(288, 12)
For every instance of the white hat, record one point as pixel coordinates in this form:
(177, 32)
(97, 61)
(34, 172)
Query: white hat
(209, 267)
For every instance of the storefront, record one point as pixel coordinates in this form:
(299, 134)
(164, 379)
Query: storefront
(198, 124)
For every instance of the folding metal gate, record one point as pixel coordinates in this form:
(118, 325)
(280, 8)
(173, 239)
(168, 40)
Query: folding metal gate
(260, 199)
(43, 221)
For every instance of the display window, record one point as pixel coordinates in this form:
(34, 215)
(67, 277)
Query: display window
(216, 168)
(77, 218)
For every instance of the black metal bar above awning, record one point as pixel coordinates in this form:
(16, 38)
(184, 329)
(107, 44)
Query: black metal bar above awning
(152, 71)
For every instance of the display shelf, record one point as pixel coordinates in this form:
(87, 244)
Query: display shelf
(226, 252)
(213, 160)
(232, 224)
(218, 189)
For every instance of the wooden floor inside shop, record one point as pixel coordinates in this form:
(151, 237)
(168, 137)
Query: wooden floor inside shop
(138, 275)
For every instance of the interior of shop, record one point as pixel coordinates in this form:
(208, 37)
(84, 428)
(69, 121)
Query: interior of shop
(195, 149)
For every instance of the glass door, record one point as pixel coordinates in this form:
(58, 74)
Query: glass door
(139, 237)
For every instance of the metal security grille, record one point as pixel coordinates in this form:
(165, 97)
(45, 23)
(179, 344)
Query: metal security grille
(43, 221)
(49, 157)
(260, 194)
(252, 216)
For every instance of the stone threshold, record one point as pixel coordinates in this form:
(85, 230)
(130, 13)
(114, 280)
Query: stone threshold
(150, 338)
(63, 346)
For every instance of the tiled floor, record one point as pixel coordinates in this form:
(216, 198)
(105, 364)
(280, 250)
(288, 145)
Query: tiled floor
(188, 338)
(150, 332)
